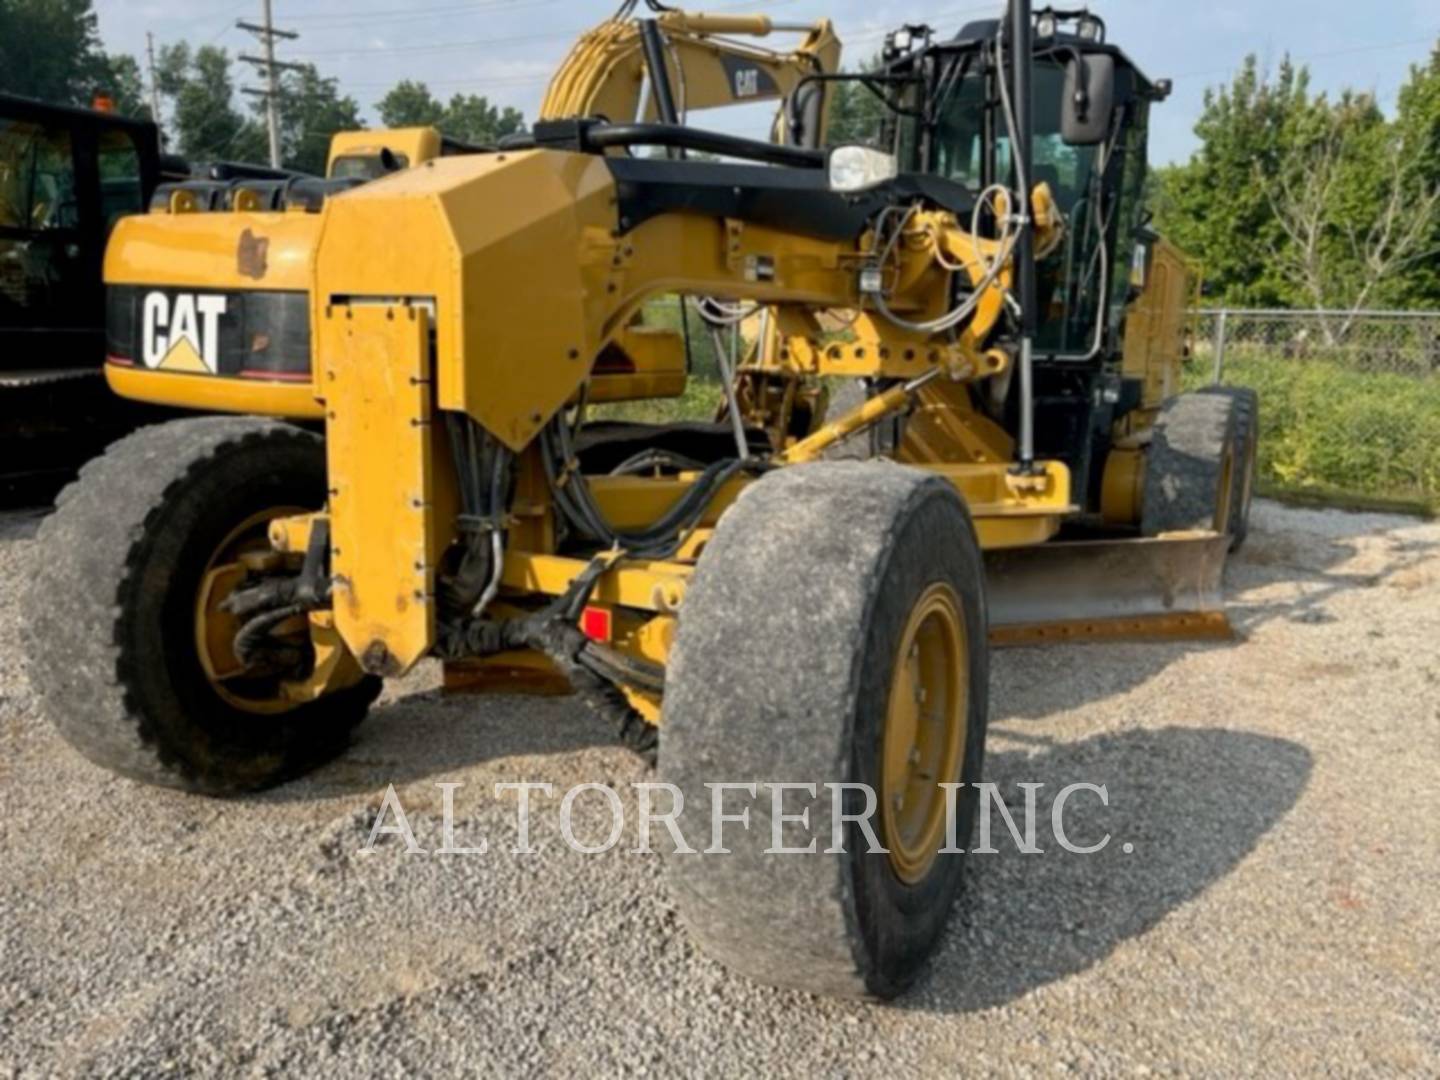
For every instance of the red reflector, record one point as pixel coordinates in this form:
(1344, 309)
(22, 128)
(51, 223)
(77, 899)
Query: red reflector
(596, 624)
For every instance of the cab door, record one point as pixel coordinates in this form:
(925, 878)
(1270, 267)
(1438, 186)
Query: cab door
(62, 185)
(44, 295)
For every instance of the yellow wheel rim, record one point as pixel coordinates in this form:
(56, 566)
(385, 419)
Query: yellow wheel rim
(246, 547)
(924, 737)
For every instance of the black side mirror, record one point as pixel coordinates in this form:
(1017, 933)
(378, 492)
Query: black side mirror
(1089, 99)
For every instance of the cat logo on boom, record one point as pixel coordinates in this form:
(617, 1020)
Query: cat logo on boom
(181, 332)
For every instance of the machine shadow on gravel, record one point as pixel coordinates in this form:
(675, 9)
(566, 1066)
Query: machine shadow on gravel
(1314, 561)
(428, 735)
(1192, 802)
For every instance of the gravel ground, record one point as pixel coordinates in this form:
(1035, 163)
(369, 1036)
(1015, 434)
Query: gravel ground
(1277, 912)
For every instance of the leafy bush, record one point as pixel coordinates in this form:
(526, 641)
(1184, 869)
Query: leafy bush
(1329, 428)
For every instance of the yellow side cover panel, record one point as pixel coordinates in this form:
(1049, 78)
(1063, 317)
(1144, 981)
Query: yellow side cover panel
(380, 462)
(513, 250)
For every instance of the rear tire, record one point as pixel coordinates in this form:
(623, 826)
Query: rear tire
(1190, 466)
(785, 669)
(111, 604)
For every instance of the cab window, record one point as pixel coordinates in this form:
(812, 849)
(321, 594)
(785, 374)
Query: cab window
(121, 188)
(367, 166)
(37, 178)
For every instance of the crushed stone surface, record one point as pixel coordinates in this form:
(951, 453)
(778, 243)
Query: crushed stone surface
(1276, 912)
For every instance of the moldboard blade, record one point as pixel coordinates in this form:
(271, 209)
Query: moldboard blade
(1166, 588)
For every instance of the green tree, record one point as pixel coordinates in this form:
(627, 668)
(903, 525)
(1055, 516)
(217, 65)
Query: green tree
(1417, 123)
(410, 104)
(50, 49)
(1354, 214)
(126, 86)
(468, 117)
(857, 115)
(1301, 200)
(472, 119)
(200, 90)
(311, 110)
(198, 87)
(1216, 206)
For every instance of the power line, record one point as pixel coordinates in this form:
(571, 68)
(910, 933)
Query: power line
(227, 26)
(482, 84)
(371, 50)
(552, 35)
(1310, 58)
(346, 20)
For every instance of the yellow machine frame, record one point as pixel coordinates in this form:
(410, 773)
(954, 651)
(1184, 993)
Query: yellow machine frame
(478, 314)
(494, 314)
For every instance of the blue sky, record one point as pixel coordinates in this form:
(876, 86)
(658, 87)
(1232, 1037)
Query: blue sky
(506, 49)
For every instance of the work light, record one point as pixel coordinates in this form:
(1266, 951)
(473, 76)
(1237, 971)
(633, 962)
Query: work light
(855, 168)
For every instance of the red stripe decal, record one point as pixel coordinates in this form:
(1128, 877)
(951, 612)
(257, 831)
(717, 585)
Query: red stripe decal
(277, 376)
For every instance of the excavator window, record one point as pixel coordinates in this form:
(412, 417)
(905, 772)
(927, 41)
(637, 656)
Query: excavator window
(42, 269)
(37, 177)
(368, 166)
(121, 184)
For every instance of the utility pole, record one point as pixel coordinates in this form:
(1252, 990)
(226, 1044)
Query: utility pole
(271, 69)
(154, 83)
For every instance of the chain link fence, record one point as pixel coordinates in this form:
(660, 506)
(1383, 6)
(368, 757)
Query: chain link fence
(1350, 401)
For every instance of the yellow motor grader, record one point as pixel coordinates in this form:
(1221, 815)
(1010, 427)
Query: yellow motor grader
(219, 598)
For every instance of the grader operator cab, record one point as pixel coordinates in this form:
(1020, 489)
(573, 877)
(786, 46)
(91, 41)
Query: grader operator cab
(220, 598)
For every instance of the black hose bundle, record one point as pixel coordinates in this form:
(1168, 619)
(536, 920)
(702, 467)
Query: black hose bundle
(577, 505)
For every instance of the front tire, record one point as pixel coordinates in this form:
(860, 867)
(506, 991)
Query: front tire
(834, 632)
(1191, 465)
(112, 609)
(1246, 404)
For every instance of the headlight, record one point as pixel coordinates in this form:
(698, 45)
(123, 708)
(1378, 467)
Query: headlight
(855, 168)
(1091, 29)
(1046, 25)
